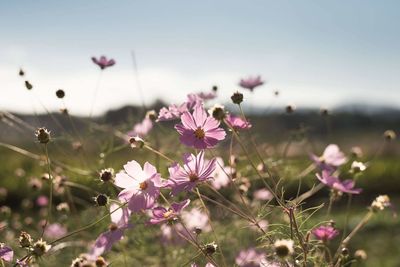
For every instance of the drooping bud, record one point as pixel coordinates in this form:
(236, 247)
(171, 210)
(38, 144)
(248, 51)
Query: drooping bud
(28, 85)
(136, 142)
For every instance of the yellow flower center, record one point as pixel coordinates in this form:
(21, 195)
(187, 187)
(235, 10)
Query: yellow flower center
(143, 185)
(168, 214)
(199, 133)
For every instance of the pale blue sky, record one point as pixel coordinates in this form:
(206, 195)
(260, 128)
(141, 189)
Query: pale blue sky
(317, 53)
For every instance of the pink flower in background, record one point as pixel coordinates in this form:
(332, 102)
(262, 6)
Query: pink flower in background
(263, 224)
(220, 174)
(209, 264)
(161, 214)
(325, 233)
(173, 112)
(347, 186)
(251, 82)
(6, 253)
(105, 241)
(331, 158)
(199, 130)
(263, 194)
(42, 201)
(55, 230)
(249, 258)
(195, 218)
(207, 96)
(141, 186)
(193, 101)
(237, 122)
(103, 62)
(142, 128)
(195, 170)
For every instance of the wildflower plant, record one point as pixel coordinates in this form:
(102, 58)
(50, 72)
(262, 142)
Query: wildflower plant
(201, 184)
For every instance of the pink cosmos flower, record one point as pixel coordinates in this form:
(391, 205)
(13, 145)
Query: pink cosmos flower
(325, 233)
(195, 218)
(249, 258)
(195, 170)
(42, 201)
(347, 186)
(141, 186)
(55, 230)
(263, 194)
(142, 128)
(199, 130)
(173, 112)
(330, 159)
(105, 241)
(251, 82)
(103, 62)
(237, 122)
(207, 96)
(6, 253)
(161, 214)
(220, 174)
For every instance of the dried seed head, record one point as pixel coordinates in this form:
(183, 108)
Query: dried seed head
(63, 207)
(324, 112)
(284, 247)
(60, 93)
(28, 85)
(210, 248)
(237, 98)
(152, 115)
(25, 239)
(43, 135)
(389, 135)
(107, 175)
(345, 252)
(40, 248)
(218, 112)
(215, 88)
(380, 203)
(360, 255)
(290, 108)
(21, 72)
(64, 111)
(101, 200)
(136, 142)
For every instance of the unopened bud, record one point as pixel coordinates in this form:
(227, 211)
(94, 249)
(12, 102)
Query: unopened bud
(60, 93)
(237, 98)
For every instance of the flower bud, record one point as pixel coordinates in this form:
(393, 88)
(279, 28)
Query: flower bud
(345, 252)
(215, 88)
(101, 200)
(107, 175)
(21, 72)
(237, 98)
(42, 135)
(360, 255)
(290, 108)
(60, 93)
(28, 85)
